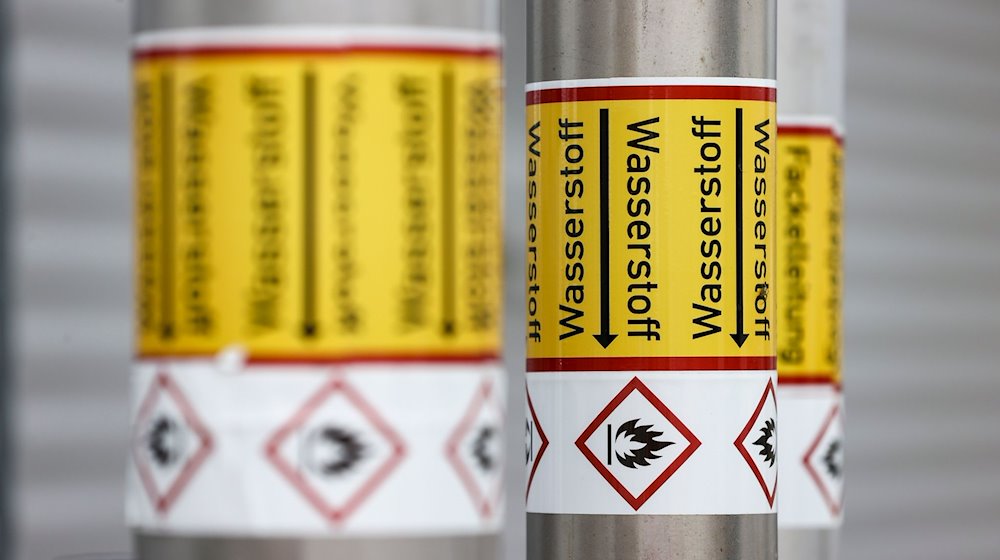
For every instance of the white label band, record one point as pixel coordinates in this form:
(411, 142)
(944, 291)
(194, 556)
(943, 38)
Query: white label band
(812, 457)
(316, 450)
(651, 442)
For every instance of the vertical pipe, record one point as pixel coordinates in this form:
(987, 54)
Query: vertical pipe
(254, 484)
(810, 136)
(6, 416)
(631, 327)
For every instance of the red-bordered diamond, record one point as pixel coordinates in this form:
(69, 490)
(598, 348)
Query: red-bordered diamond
(535, 441)
(475, 450)
(170, 442)
(643, 445)
(758, 443)
(336, 450)
(825, 460)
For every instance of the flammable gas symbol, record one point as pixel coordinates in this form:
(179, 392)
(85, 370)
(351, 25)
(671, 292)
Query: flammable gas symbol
(833, 459)
(634, 444)
(482, 448)
(757, 443)
(824, 461)
(166, 441)
(766, 442)
(331, 451)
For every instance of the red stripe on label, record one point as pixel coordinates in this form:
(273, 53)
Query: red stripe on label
(621, 93)
(654, 363)
(818, 378)
(810, 130)
(307, 50)
(471, 358)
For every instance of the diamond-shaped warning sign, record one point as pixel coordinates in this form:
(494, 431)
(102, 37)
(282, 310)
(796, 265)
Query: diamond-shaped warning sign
(336, 450)
(475, 450)
(535, 441)
(825, 460)
(170, 442)
(758, 443)
(636, 443)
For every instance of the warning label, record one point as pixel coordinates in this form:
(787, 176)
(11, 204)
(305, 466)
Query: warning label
(652, 442)
(758, 443)
(310, 449)
(650, 224)
(812, 456)
(318, 199)
(825, 461)
(809, 236)
(475, 451)
(636, 443)
(336, 450)
(171, 443)
(535, 441)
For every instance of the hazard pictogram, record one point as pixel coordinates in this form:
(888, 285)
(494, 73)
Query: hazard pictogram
(535, 441)
(825, 460)
(636, 443)
(474, 450)
(758, 443)
(336, 450)
(170, 442)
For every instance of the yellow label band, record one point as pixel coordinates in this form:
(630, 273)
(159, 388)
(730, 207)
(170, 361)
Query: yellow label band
(809, 253)
(318, 203)
(650, 231)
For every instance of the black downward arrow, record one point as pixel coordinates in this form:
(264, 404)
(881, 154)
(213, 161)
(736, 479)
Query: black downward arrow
(309, 206)
(167, 207)
(740, 336)
(605, 338)
(449, 308)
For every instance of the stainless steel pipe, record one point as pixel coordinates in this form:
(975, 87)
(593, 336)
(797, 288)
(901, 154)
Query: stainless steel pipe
(811, 82)
(588, 39)
(159, 15)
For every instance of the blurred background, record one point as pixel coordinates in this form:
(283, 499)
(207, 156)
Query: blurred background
(922, 315)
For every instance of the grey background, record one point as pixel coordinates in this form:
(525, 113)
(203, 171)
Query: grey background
(922, 276)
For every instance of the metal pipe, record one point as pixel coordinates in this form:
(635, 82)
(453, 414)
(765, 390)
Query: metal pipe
(810, 136)
(167, 15)
(684, 39)
(6, 386)
(578, 39)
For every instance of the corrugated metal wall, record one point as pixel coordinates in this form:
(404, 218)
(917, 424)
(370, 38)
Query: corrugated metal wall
(71, 273)
(923, 275)
(923, 280)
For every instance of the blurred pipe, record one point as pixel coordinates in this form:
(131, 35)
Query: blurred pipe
(584, 39)
(811, 85)
(149, 15)
(6, 413)
(811, 58)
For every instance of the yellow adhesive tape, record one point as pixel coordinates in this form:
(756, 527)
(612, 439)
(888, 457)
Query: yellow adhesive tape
(650, 232)
(809, 236)
(318, 203)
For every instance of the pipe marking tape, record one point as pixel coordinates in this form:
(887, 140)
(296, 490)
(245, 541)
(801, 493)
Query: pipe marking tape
(317, 282)
(650, 304)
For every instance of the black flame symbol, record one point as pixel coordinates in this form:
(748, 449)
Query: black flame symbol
(832, 459)
(333, 451)
(638, 434)
(164, 441)
(764, 441)
(480, 448)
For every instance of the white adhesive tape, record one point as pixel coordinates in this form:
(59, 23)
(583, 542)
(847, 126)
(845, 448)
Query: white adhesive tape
(651, 442)
(812, 457)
